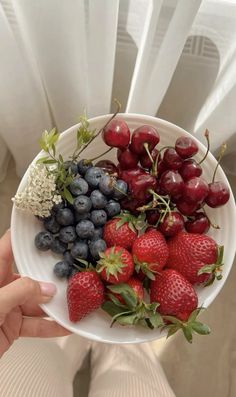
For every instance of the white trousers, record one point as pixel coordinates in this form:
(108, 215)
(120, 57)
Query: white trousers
(46, 368)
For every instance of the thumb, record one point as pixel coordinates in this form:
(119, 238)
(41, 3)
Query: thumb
(22, 290)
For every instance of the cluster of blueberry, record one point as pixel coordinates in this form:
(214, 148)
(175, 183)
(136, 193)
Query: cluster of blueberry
(76, 230)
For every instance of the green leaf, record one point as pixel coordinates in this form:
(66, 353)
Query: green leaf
(116, 301)
(127, 319)
(187, 333)
(43, 145)
(50, 161)
(60, 158)
(172, 329)
(156, 320)
(173, 320)
(53, 149)
(200, 328)
(67, 195)
(111, 308)
(220, 255)
(206, 269)
(130, 299)
(42, 159)
(194, 314)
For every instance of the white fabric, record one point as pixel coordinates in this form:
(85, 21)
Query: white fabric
(46, 368)
(60, 57)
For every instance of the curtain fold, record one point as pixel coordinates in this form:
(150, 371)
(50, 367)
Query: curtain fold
(61, 58)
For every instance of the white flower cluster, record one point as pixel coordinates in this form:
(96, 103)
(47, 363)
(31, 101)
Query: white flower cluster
(40, 194)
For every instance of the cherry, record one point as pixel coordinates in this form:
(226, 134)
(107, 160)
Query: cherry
(199, 224)
(139, 186)
(107, 166)
(172, 160)
(131, 205)
(127, 159)
(144, 134)
(186, 147)
(172, 224)
(195, 190)
(152, 217)
(145, 160)
(172, 183)
(162, 167)
(186, 208)
(218, 194)
(128, 175)
(116, 134)
(189, 169)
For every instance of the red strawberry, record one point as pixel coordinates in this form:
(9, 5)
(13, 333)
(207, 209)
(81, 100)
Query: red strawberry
(116, 265)
(137, 287)
(85, 293)
(150, 252)
(174, 293)
(120, 231)
(189, 252)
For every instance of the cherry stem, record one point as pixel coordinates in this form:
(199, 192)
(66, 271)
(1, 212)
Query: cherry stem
(148, 152)
(158, 197)
(222, 151)
(100, 155)
(208, 146)
(212, 224)
(155, 168)
(118, 105)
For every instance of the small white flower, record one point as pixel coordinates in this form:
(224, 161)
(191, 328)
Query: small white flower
(40, 193)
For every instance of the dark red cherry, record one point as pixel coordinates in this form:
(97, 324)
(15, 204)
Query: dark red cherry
(186, 147)
(107, 166)
(172, 183)
(144, 134)
(140, 186)
(172, 224)
(186, 208)
(128, 175)
(189, 169)
(127, 159)
(195, 190)
(145, 159)
(131, 205)
(161, 168)
(199, 224)
(172, 160)
(152, 217)
(116, 134)
(218, 194)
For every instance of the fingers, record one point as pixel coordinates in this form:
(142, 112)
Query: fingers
(42, 328)
(6, 256)
(24, 290)
(32, 310)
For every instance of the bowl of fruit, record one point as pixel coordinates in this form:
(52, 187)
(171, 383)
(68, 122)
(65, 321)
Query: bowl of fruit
(132, 218)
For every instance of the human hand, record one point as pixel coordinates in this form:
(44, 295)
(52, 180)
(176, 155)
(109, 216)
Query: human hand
(20, 314)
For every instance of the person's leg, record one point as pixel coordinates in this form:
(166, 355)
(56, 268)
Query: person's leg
(127, 371)
(41, 368)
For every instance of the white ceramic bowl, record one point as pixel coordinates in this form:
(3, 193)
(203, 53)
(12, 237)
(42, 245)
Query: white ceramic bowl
(39, 265)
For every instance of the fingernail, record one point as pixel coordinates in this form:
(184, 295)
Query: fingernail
(48, 289)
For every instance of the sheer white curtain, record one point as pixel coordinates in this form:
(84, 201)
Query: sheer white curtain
(171, 58)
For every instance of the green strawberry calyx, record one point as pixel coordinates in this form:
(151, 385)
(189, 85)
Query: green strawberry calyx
(145, 267)
(214, 269)
(112, 263)
(188, 327)
(135, 223)
(133, 311)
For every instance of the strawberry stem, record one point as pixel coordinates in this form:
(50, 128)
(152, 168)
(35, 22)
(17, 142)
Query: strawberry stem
(208, 146)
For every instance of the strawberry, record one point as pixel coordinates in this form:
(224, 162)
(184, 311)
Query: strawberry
(150, 252)
(116, 265)
(177, 303)
(174, 293)
(137, 287)
(85, 293)
(122, 230)
(196, 256)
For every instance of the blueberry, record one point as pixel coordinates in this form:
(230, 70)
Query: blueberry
(68, 258)
(81, 217)
(51, 224)
(82, 204)
(112, 208)
(62, 269)
(98, 199)
(58, 247)
(58, 206)
(65, 217)
(98, 217)
(79, 250)
(83, 166)
(121, 189)
(78, 186)
(85, 229)
(97, 234)
(93, 176)
(67, 234)
(106, 185)
(96, 247)
(72, 166)
(43, 241)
